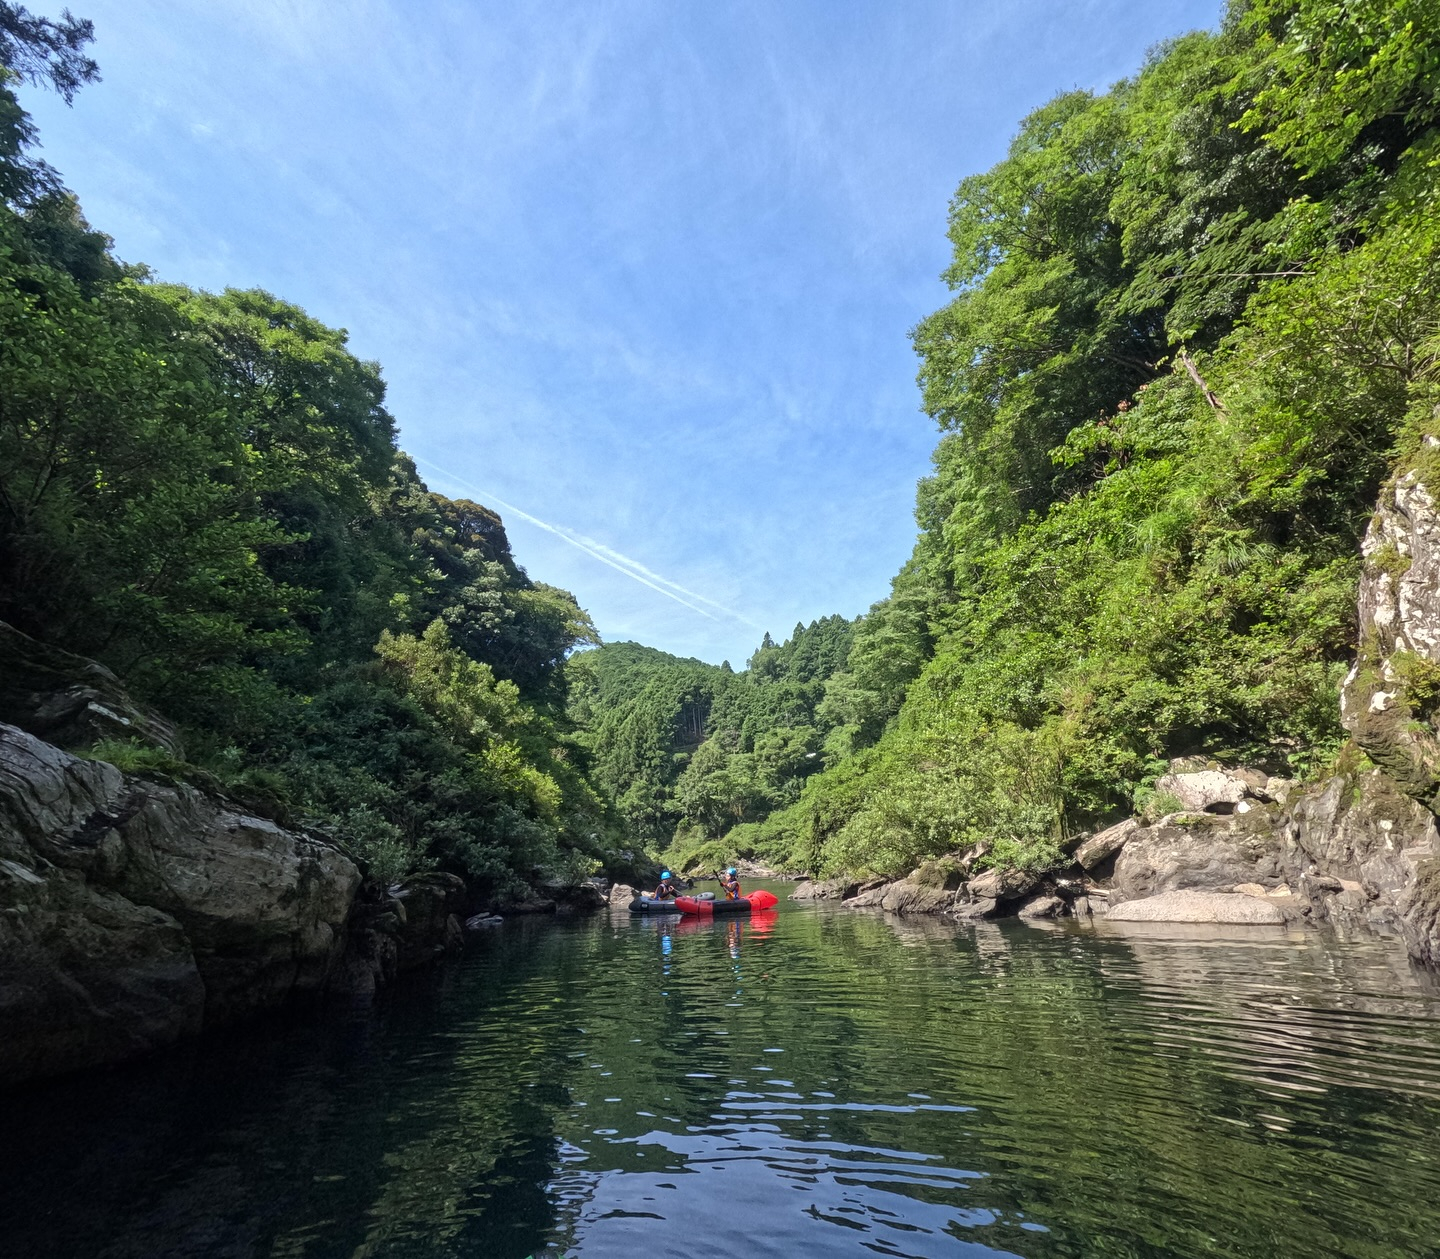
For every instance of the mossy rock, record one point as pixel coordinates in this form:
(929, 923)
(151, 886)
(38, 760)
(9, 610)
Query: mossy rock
(941, 873)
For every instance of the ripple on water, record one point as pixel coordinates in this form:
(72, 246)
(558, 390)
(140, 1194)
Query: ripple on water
(820, 1083)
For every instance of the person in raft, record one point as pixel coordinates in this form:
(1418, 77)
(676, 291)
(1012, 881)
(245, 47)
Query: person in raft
(667, 891)
(731, 883)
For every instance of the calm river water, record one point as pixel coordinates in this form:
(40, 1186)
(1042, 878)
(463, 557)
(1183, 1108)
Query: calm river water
(811, 1082)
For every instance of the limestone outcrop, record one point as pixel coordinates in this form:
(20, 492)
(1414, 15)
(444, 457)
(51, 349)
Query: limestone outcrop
(1390, 697)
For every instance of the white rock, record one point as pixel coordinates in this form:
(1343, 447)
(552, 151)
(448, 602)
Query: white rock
(1203, 790)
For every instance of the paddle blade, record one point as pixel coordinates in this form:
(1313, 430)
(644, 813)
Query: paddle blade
(763, 899)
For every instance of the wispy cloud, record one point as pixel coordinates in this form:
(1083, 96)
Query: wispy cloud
(633, 569)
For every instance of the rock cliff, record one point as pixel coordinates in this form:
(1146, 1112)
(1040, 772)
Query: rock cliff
(135, 911)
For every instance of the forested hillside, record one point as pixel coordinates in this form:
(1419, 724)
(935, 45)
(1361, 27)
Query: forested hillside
(692, 752)
(1196, 321)
(204, 493)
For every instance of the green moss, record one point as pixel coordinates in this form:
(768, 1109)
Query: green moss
(942, 872)
(1389, 560)
(1419, 680)
(1351, 760)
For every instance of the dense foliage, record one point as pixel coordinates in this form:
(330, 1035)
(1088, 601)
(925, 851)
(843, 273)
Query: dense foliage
(692, 752)
(204, 492)
(1195, 322)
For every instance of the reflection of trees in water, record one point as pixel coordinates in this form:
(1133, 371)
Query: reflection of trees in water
(1119, 1091)
(1136, 1094)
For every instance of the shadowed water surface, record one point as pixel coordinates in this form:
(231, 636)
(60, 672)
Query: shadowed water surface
(810, 1082)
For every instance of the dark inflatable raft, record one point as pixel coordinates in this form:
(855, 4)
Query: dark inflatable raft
(650, 905)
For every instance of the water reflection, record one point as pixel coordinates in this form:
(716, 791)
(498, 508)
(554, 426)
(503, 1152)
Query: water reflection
(807, 1082)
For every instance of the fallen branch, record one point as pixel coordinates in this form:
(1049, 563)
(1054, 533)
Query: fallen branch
(1210, 396)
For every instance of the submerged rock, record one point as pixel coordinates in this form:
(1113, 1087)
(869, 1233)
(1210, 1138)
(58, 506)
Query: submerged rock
(1185, 906)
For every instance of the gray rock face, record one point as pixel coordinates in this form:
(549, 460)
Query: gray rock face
(134, 912)
(1362, 848)
(825, 890)
(1399, 638)
(1227, 907)
(1199, 852)
(870, 896)
(1042, 907)
(69, 700)
(1001, 885)
(910, 897)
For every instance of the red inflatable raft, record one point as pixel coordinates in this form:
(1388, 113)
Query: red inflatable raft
(756, 900)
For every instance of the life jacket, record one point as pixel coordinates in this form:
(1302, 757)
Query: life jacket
(667, 888)
(732, 888)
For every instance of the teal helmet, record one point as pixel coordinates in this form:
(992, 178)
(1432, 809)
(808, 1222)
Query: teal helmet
(665, 874)
(732, 870)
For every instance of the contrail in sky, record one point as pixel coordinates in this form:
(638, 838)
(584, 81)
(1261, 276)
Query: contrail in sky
(599, 551)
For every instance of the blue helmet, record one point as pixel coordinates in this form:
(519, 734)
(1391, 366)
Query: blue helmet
(732, 870)
(665, 874)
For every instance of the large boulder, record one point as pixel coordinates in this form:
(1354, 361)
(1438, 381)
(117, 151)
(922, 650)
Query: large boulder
(621, 894)
(574, 898)
(1220, 907)
(870, 896)
(1001, 885)
(1098, 849)
(1206, 790)
(825, 890)
(910, 896)
(133, 912)
(1042, 906)
(1200, 852)
(71, 701)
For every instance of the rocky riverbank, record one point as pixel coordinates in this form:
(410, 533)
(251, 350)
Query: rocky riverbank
(1352, 851)
(137, 909)
(1358, 849)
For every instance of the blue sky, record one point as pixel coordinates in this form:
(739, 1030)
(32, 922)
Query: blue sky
(640, 274)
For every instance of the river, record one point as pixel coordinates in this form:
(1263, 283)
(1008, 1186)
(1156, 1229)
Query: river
(812, 1082)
